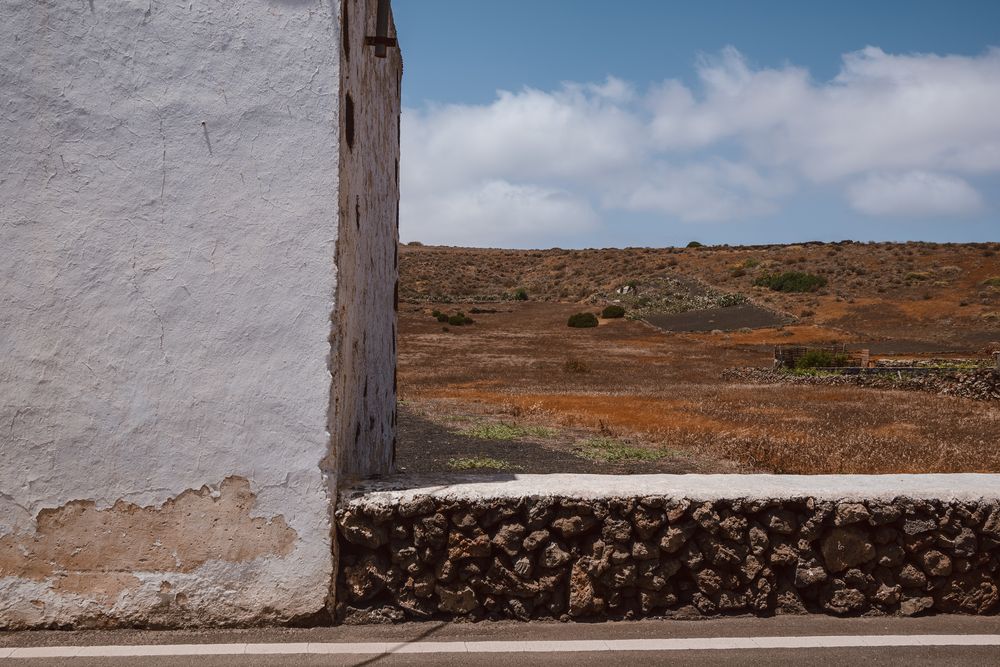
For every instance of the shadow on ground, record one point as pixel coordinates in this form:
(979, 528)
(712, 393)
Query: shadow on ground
(428, 446)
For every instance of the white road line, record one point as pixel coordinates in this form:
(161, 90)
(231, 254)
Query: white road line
(535, 646)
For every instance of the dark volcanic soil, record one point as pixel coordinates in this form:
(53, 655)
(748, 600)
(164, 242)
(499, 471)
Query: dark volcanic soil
(725, 319)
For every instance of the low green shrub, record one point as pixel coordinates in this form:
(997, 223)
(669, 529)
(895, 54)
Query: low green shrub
(992, 282)
(821, 359)
(791, 281)
(520, 294)
(460, 319)
(612, 312)
(582, 320)
(695, 244)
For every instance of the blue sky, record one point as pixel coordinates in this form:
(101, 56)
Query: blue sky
(583, 124)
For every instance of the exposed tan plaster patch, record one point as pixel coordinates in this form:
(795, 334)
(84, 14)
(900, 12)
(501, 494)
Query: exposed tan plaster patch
(89, 550)
(104, 586)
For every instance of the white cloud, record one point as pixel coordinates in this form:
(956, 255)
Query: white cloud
(914, 193)
(709, 191)
(496, 212)
(897, 134)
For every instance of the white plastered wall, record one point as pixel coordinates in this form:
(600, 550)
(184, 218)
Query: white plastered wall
(168, 226)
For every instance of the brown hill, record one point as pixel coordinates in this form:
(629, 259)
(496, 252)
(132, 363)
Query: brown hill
(946, 295)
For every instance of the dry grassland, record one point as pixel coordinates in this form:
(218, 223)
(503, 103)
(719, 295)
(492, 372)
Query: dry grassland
(664, 393)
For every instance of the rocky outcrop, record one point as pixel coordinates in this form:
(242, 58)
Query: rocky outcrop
(627, 557)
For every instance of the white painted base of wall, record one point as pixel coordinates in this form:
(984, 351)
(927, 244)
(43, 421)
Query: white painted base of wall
(962, 487)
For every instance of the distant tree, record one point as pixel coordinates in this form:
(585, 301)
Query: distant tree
(695, 244)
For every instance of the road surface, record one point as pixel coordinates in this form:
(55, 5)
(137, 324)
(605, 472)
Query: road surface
(813, 640)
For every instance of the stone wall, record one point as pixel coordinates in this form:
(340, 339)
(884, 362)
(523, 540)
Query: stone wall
(575, 547)
(982, 384)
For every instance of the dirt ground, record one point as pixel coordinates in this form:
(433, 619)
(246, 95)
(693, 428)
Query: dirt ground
(627, 397)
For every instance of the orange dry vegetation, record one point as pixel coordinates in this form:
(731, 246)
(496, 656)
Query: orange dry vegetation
(667, 390)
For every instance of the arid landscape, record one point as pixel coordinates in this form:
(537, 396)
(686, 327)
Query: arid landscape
(518, 390)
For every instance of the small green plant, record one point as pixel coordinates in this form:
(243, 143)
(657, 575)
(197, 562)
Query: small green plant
(610, 450)
(821, 359)
(791, 281)
(460, 319)
(613, 312)
(992, 282)
(501, 431)
(520, 294)
(750, 262)
(695, 244)
(441, 317)
(582, 320)
(480, 463)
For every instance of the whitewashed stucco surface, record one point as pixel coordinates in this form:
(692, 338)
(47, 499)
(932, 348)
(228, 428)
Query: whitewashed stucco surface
(363, 420)
(168, 224)
(969, 487)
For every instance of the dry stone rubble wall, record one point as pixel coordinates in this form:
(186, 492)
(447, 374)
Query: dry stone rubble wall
(626, 557)
(980, 384)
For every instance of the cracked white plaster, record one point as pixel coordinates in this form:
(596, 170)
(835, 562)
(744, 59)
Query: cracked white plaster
(169, 179)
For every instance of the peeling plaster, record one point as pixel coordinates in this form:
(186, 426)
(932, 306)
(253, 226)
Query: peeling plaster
(78, 540)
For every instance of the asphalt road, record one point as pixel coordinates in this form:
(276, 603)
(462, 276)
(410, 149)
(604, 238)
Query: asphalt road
(548, 645)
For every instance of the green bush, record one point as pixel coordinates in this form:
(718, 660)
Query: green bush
(460, 319)
(441, 317)
(520, 294)
(992, 282)
(695, 244)
(612, 312)
(791, 281)
(821, 359)
(582, 320)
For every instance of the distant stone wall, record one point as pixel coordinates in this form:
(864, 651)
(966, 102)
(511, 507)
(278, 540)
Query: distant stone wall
(582, 546)
(982, 384)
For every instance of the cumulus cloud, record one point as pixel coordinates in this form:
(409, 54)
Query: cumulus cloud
(708, 191)
(914, 193)
(496, 213)
(894, 134)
